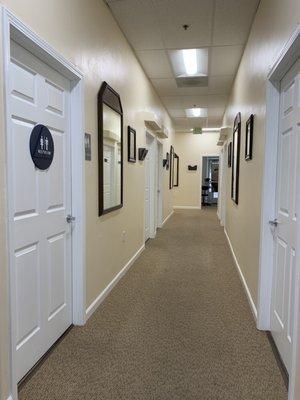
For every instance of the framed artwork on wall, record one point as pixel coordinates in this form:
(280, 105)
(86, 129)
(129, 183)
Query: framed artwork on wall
(171, 177)
(236, 159)
(176, 171)
(249, 138)
(110, 149)
(229, 154)
(131, 144)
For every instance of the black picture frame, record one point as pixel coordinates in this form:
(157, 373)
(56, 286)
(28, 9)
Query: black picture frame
(229, 155)
(176, 170)
(171, 174)
(131, 141)
(108, 96)
(168, 161)
(249, 138)
(236, 143)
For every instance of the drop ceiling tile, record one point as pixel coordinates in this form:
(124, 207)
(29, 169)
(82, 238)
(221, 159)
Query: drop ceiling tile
(178, 113)
(204, 101)
(190, 122)
(216, 85)
(172, 14)
(139, 23)
(225, 60)
(155, 63)
(233, 20)
(172, 102)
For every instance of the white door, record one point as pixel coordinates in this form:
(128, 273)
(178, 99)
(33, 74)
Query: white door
(147, 189)
(287, 196)
(40, 202)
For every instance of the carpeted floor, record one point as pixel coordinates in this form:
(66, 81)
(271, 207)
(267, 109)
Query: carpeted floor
(176, 327)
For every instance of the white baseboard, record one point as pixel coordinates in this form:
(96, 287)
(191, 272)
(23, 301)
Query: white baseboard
(166, 219)
(187, 207)
(96, 303)
(243, 280)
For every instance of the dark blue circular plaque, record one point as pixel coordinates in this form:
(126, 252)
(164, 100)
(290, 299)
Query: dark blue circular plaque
(41, 147)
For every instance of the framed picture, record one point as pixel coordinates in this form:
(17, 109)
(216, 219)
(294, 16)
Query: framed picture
(176, 170)
(88, 146)
(110, 149)
(171, 177)
(168, 161)
(236, 159)
(229, 154)
(131, 144)
(249, 138)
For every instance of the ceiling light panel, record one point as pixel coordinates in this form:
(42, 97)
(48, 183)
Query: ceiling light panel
(196, 112)
(189, 62)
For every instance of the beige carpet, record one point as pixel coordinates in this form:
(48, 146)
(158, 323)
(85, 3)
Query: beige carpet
(177, 326)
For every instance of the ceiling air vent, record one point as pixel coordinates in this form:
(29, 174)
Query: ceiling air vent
(192, 81)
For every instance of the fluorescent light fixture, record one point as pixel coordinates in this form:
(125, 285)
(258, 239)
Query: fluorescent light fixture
(196, 112)
(189, 62)
(211, 129)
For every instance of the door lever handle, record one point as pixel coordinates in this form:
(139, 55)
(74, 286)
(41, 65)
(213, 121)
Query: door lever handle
(274, 222)
(70, 219)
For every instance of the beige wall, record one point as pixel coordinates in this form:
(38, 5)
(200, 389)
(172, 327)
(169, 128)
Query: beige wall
(274, 23)
(191, 148)
(85, 33)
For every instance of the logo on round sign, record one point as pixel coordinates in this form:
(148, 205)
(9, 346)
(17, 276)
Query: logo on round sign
(41, 147)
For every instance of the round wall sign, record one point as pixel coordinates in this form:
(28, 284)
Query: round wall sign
(41, 147)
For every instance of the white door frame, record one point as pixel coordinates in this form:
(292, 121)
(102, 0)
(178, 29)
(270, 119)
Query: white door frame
(201, 174)
(153, 185)
(222, 185)
(14, 29)
(284, 62)
(160, 185)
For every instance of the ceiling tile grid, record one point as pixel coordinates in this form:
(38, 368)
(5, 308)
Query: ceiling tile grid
(154, 28)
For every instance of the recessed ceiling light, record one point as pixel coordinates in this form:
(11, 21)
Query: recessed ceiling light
(189, 62)
(196, 112)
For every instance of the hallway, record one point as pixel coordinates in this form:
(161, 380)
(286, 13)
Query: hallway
(177, 326)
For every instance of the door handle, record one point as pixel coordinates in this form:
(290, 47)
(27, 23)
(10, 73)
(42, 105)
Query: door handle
(70, 219)
(274, 222)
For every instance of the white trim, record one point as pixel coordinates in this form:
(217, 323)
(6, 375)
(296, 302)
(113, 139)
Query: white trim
(283, 63)
(187, 207)
(99, 299)
(152, 152)
(166, 219)
(286, 58)
(268, 209)
(160, 182)
(242, 278)
(222, 185)
(14, 28)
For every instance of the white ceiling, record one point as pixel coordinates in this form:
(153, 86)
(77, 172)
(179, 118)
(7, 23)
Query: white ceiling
(153, 27)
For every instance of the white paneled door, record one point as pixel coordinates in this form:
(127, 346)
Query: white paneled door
(285, 225)
(40, 203)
